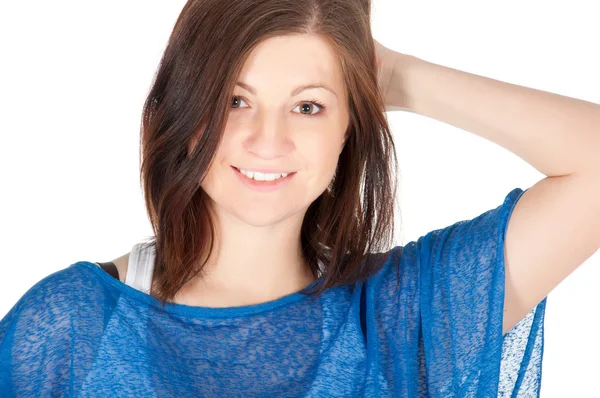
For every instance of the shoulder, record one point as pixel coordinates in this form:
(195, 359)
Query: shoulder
(397, 273)
(77, 290)
(61, 292)
(46, 310)
(402, 259)
(47, 321)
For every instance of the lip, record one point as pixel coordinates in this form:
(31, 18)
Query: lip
(267, 171)
(263, 186)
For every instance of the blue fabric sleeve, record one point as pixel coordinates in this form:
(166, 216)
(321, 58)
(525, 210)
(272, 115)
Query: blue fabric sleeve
(35, 341)
(50, 327)
(6, 335)
(462, 304)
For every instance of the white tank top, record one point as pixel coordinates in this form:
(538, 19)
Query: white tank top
(140, 267)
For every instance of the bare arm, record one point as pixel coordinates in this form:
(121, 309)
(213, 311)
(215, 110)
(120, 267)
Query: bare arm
(555, 226)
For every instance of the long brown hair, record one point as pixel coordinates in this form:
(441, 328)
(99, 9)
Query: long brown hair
(184, 117)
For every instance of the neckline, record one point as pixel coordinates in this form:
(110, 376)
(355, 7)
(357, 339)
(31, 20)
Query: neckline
(194, 311)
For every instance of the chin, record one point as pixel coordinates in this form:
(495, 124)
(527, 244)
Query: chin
(262, 218)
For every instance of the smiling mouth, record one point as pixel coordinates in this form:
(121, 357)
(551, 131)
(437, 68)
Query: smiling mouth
(263, 176)
(266, 180)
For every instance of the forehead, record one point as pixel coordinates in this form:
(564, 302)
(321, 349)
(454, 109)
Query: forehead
(286, 61)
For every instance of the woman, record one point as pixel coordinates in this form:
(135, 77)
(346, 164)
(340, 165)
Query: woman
(268, 171)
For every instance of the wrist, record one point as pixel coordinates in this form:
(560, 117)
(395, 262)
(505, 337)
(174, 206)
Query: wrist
(402, 91)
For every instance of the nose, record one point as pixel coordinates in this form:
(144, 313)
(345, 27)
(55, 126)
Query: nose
(269, 137)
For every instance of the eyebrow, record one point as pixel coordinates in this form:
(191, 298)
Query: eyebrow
(294, 92)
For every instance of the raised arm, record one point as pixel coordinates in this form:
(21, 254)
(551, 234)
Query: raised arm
(555, 226)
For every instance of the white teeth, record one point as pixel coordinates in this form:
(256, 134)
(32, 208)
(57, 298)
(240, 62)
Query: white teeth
(258, 176)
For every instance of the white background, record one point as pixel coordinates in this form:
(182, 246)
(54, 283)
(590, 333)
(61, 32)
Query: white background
(74, 75)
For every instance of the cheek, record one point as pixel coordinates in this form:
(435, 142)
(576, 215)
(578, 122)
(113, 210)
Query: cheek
(212, 182)
(323, 151)
(320, 159)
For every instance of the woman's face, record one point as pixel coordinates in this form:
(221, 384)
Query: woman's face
(273, 127)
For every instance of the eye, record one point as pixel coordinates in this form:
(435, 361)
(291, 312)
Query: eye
(306, 108)
(309, 106)
(236, 100)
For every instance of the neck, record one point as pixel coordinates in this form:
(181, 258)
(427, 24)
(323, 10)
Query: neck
(263, 263)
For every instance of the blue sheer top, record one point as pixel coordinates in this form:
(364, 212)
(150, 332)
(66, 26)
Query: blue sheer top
(428, 324)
